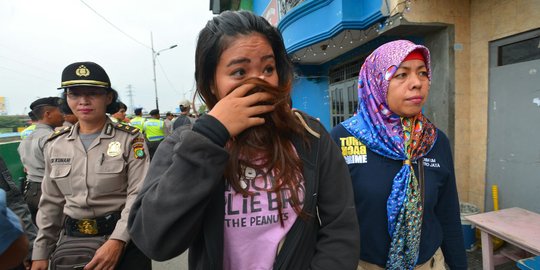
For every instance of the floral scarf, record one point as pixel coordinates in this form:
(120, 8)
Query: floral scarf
(398, 138)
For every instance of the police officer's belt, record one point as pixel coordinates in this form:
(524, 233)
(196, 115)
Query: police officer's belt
(92, 226)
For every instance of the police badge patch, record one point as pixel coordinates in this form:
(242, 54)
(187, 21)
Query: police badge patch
(138, 148)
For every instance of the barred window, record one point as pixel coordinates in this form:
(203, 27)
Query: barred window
(343, 91)
(345, 72)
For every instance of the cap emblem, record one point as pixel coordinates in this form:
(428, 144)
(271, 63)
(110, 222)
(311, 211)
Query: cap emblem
(82, 71)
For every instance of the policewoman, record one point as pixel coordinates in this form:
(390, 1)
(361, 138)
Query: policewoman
(93, 171)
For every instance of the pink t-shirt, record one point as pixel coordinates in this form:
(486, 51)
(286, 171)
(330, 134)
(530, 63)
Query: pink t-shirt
(252, 227)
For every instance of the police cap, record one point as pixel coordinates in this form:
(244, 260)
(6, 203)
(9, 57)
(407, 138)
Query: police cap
(154, 112)
(48, 101)
(138, 111)
(85, 74)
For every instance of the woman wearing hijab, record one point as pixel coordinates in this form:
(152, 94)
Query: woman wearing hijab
(401, 166)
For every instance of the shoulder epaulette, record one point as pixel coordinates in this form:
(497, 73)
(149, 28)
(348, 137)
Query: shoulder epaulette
(126, 128)
(57, 133)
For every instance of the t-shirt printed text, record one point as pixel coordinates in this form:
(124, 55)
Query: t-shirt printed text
(353, 150)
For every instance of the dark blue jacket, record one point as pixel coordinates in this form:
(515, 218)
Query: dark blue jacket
(372, 176)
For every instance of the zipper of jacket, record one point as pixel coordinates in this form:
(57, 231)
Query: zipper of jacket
(293, 237)
(291, 241)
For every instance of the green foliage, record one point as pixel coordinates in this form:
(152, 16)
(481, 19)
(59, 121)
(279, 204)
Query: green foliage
(202, 109)
(12, 122)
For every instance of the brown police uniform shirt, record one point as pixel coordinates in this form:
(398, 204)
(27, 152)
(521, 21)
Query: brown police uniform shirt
(88, 184)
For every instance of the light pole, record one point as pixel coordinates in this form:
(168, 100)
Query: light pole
(154, 56)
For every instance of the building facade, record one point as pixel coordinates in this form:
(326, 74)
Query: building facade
(485, 92)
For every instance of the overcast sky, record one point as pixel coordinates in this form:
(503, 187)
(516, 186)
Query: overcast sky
(39, 38)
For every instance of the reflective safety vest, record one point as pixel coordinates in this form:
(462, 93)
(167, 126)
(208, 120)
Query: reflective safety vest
(27, 131)
(137, 122)
(154, 129)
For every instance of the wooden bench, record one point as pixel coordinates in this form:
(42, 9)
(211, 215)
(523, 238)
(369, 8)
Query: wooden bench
(516, 226)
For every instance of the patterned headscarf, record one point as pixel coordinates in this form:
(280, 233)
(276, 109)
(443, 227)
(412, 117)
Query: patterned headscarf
(398, 138)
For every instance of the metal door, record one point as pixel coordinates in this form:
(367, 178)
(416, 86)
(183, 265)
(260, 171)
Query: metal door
(343, 100)
(513, 161)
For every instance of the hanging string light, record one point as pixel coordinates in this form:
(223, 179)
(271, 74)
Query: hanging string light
(400, 8)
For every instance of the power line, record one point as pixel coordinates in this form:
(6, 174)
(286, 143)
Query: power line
(25, 73)
(27, 54)
(166, 77)
(116, 27)
(28, 65)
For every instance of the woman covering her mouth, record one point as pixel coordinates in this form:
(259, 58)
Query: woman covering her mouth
(252, 184)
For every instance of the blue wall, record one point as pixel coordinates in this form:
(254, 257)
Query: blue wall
(259, 6)
(311, 96)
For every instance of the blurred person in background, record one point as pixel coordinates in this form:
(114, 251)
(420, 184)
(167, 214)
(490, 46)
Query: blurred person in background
(154, 129)
(120, 115)
(138, 120)
(31, 127)
(30, 150)
(16, 203)
(184, 118)
(13, 241)
(168, 123)
(69, 118)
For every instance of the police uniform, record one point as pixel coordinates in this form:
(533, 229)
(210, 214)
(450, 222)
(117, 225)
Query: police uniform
(27, 131)
(31, 152)
(154, 129)
(89, 184)
(95, 186)
(138, 122)
(30, 128)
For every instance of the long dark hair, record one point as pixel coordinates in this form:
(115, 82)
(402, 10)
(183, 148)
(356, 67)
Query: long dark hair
(271, 143)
